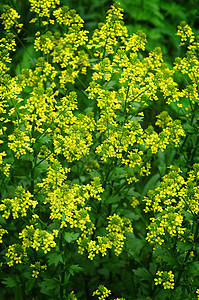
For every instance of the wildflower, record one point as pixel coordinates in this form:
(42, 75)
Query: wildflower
(165, 278)
(43, 8)
(37, 268)
(185, 32)
(2, 232)
(16, 254)
(9, 17)
(19, 205)
(102, 292)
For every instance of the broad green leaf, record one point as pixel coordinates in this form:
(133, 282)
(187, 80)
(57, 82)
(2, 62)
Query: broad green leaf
(10, 282)
(142, 273)
(74, 269)
(70, 236)
(55, 258)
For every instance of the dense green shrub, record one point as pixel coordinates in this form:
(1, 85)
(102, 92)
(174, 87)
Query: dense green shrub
(98, 159)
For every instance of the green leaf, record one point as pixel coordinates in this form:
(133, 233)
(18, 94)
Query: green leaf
(70, 236)
(48, 285)
(94, 173)
(189, 216)
(142, 273)
(189, 128)
(55, 258)
(27, 157)
(113, 199)
(166, 257)
(10, 282)
(184, 247)
(74, 269)
(109, 85)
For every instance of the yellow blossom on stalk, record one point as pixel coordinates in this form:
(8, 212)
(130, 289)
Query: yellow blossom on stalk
(185, 32)
(7, 45)
(9, 17)
(197, 293)
(171, 199)
(2, 232)
(163, 119)
(16, 254)
(68, 201)
(71, 296)
(20, 142)
(115, 237)
(37, 238)
(189, 194)
(116, 231)
(55, 176)
(19, 205)
(134, 202)
(46, 71)
(136, 41)
(44, 42)
(75, 35)
(38, 268)
(165, 278)
(77, 137)
(43, 8)
(4, 168)
(82, 220)
(38, 111)
(102, 292)
(108, 34)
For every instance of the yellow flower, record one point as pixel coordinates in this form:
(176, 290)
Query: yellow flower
(102, 292)
(165, 278)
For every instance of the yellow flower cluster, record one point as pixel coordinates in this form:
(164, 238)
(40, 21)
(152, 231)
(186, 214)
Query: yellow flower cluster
(169, 135)
(69, 200)
(115, 237)
(188, 65)
(186, 34)
(138, 82)
(71, 296)
(7, 43)
(17, 207)
(2, 232)
(77, 137)
(43, 8)
(102, 292)
(16, 254)
(9, 19)
(116, 228)
(36, 238)
(64, 50)
(105, 37)
(20, 142)
(4, 167)
(37, 268)
(168, 202)
(134, 202)
(165, 278)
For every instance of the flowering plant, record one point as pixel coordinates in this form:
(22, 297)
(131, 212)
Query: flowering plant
(93, 189)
